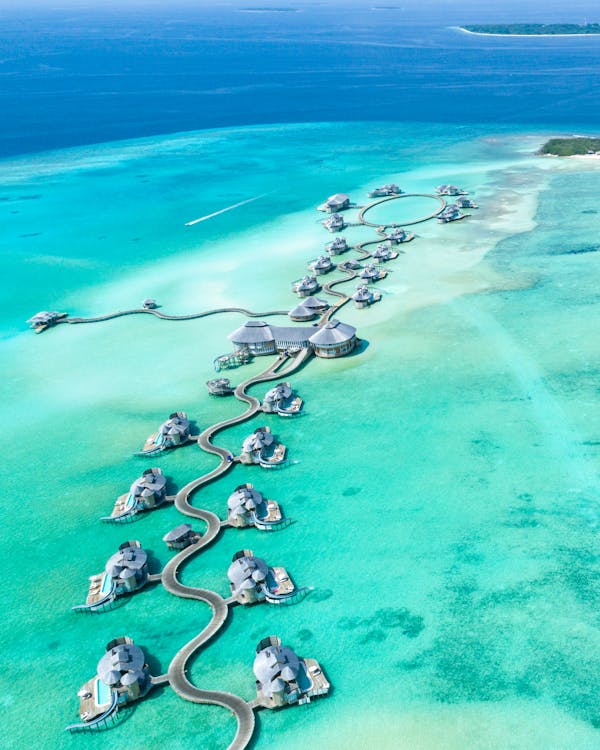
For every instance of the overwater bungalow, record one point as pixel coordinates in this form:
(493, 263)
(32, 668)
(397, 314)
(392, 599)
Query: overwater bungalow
(220, 387)
(125, 572)
(450, 190)
(146, 493)
(384, 252)
(398, 235)
(464, 202)
(335, 223)
(262, 449)
(450, 213)
(282, 400)
(305, 286)
(246, 506)
(321, 265)
(385, 190)
(335, 203)
(251, 580)
(171, 434)
(309, 309)
(45, 319)
(337, 246)
(122, 678)
(334, 339)
(363, 296)
(349, 265)
(150, 304)
(283, 678)
(181, 537)
(372, 273)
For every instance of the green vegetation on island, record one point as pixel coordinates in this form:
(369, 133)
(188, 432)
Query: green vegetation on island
(530, 29)
(573, 146)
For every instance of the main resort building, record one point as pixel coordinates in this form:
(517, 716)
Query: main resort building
(334, 339)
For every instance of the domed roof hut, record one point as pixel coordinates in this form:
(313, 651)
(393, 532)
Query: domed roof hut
(337, 246)
(305, 286)
(282, 678)
(321, 265)
(309, 309)
(172, 433)
(246, 506)
(334, 339)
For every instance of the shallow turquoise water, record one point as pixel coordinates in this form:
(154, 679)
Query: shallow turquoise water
(443, 482)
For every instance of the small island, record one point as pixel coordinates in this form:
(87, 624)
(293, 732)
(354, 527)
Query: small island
(533, 29)
(576, 145)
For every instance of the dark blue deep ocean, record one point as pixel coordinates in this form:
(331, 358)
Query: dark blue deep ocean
(76, 74)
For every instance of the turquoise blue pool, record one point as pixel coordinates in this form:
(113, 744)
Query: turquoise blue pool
(103, 693)
(106, 584)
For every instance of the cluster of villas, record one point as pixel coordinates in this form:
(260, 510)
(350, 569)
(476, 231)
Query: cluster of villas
(123, 676)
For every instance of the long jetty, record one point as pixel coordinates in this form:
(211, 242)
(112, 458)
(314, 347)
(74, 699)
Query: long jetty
(164, 316)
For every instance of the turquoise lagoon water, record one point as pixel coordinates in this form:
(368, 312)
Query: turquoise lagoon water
(443, 481)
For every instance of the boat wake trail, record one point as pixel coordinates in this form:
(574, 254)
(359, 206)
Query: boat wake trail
(223, 210)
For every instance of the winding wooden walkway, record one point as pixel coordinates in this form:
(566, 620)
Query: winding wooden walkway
(164, 316)
(432, 215)
(176, 675)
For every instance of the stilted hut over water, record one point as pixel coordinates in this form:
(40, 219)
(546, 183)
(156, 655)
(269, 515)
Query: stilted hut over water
(146, 493)
(246, 506)
(337, 246)
(335, 203)
(321, 265)
(261, 448)
(309, 309)
(384, 253)
(305, 286)
(171, 434)
(281, 400)
(122, 678)
(450, 190)
(181, 537)
(449, 214)
(372, 273)
(385, 190)
(464, 202)
(282, 678)
(335, 223)
(363, 296)
(251, 580)
(125, 572)
(45, 319)
(220, 387)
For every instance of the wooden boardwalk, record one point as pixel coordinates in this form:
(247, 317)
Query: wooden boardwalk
(176, 675)
(164, 316)
(441, 207)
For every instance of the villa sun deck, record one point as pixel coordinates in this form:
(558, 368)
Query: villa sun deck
(285, 585)
(320, 685)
